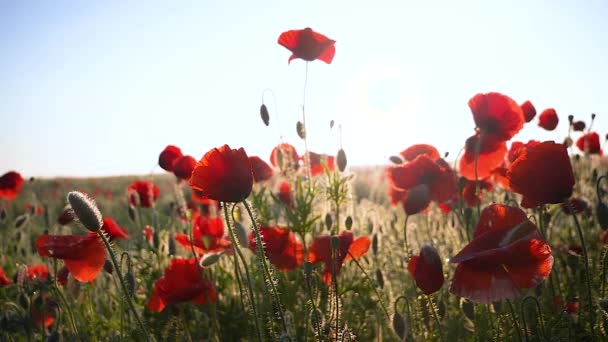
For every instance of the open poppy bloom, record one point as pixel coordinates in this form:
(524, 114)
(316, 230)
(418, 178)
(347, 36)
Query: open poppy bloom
(349, 248)
(506, 255)
(284, 156)
(208, 235)
(529, 111)
(182, 282)
(317, 161)
(37, 272)
(542, 174)
(281, 246)
(10, 184)
(427, 270)
(491, 156)
(142, 193)
(182, 168)
(589, 143)
(308, 45)
(4, 280)
(113, 230)
(548, 119)
(168, 156)
(497, 115)
(83, 255)
(261, 170)
(223, 174)
(410, 153)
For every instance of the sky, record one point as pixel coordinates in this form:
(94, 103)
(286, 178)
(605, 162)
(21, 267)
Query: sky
(96, 88)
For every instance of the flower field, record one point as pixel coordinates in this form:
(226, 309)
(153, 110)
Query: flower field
(505, 241)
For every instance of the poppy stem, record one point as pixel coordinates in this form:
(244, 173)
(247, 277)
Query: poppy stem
(388, 317)
(269, 277)
(586, 264)
(125, 290)
(64, 301)
(435, 316)
(235, 245)
(514, 318)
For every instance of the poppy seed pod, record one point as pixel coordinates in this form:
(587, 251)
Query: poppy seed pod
(264, 114)
(21, 220)
(341, 157)
(86, 210)
(210, 259)
(399, 326)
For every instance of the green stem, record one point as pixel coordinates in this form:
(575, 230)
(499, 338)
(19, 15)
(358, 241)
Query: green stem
(515, 320)
(123, 284)
(388, 317)
(64, 301)
(435, 316)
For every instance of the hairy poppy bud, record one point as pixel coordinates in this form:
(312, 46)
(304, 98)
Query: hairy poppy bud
(131, 284)
(2, 215)
(380, 278)
(396, 160)
(54, 337)
(23, 301)
(108, 267)
(301, 130)
(328, 221)
(172, 245)
(335, 242)
(570, 118)
(341, 157)
(21, 220)
(331, 124)
(348, 222)
(264, 114)
(375, 244)
(86, 210)
(601, 212)
(592, 116)
(210, 259)
(399, 326)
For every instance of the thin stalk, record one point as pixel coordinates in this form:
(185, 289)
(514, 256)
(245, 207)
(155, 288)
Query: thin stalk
(407, 247)
(64, 301)
(373, 287)
(184, 324)
(435, 316)
(123, 284)
(515, 320)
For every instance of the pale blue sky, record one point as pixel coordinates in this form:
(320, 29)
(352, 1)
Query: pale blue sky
(93, 88)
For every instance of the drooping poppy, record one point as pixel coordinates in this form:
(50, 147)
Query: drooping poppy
(548, 119)
(84, 255)
(223, 174)
(10, 184)
(4, 280)
(578, 126)
(317, 161)
(349, 248)
(182, 168)
(507, 254)
(168, 156)
(497, 115)
(589, 143)
(284, 156)
(529, 111)
(181, 282)
(142, 193)
(542, 174)
(261, 170)
(410, 153)
(491, 155)
(308, 45)
(427, 270)
(114, 231)
(281, 245)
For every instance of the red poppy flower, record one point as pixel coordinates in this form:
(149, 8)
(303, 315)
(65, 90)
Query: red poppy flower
(261, 170)
(223, 174)
(114, 230)
(284, 193)
(542, 174)
(499, 176)
(182, 168)
(284, 156)
(349, 248)
(168, 156)
(589, 143)
(548, 119)
(507, 254)
(142, 193)
(529, 111)
(84, 255)
(496, 114)
(427, 270)
(39, 271)
(67, 216)
(410, 153)
(4, 280)
(181, 282)
(317, 161)
(492, 153)
(282, 247)
(578, 126)
(208, 235)
(10, 184)
(308, 45)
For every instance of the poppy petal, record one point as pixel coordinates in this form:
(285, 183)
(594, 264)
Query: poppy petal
(358, 248)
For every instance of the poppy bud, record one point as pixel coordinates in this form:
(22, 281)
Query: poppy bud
(467, 308)
(331, 124)
(341, 157)
(301, 130)
(131, 211)
(241, 234)
(108, 267)
(497, 306)
(348, 222)
(427, 270)
(396, 160)
(601, 212)
(328, 221)
(21, 220)
(2, 214)
(155, 240)
(131, 284)
(171, 245)
(86, 210)
(210, 259)
(592, 116)
(399, 326)
(570, 118)
(380, 278)
(375, 244)
(264, 114)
